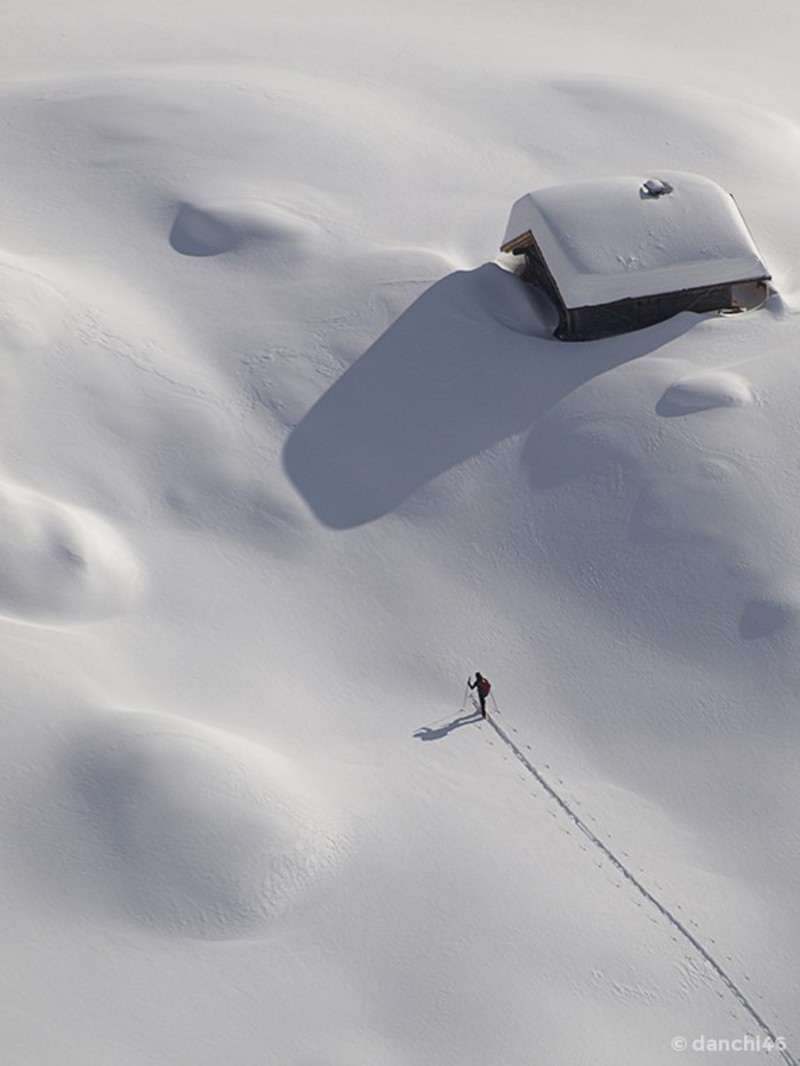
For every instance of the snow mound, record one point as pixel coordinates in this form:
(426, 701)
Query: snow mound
(60, 562)
(213, 229)
(516, 305)
(701, 392)
(762, 617)
(192, 831)
(197, 232)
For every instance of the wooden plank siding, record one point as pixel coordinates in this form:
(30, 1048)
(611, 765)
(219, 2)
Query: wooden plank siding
(623, 316)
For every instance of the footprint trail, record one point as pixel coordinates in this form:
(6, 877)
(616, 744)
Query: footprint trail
(704, 953)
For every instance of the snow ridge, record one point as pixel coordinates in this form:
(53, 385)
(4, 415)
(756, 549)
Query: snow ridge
(727, 980)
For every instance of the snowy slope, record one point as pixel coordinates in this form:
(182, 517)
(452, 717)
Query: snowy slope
(285, 455)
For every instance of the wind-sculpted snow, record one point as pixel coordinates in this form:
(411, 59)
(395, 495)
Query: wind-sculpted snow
(61, 563)
(200, 233)
(704, 391)
(675, 478)
(191, 831)
(761, 617)
(213, 229)
(251, 363)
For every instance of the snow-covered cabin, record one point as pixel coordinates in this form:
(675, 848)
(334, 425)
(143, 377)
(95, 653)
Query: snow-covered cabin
(616, 254)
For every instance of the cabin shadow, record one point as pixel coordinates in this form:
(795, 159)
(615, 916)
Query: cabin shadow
(471, 362)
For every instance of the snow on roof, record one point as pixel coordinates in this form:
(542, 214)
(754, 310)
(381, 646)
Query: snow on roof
(612, 238)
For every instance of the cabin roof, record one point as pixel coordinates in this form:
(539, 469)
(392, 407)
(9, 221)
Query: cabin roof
(614, 238)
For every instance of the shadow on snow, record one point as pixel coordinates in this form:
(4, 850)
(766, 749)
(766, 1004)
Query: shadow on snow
(436, 732)
(469, 363)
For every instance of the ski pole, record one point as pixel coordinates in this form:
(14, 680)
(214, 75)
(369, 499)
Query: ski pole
(464, 699)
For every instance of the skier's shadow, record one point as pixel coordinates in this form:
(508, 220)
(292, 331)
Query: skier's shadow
(428, 732)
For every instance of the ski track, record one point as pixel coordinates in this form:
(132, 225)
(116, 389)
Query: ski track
(705, 954)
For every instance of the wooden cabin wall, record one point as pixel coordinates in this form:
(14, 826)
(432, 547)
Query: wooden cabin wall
(624, 316)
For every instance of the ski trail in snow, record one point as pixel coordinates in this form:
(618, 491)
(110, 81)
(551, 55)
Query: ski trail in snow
(728, 981)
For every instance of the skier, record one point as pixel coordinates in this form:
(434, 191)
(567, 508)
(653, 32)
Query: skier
(484, 688)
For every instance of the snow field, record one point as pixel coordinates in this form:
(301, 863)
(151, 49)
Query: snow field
(284, 456)
(201, 834)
